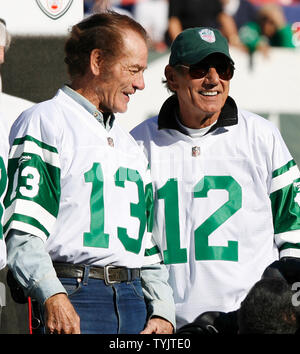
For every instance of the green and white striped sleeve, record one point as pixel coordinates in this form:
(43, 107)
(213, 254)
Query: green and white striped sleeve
(285, 201)
(33, 194)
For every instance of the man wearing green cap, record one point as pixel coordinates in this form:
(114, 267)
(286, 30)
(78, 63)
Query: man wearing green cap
(226, 189)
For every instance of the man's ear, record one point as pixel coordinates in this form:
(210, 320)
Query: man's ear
(95, 61)
(171, 77)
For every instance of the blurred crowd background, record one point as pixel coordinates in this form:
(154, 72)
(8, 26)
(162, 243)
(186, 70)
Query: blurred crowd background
(249, 25)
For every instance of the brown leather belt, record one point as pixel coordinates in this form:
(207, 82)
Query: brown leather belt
(110, 274)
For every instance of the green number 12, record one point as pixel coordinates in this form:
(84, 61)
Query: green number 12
(169, 192)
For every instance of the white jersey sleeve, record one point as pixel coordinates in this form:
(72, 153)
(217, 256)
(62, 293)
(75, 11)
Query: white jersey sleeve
(33, 195)
(285, 199)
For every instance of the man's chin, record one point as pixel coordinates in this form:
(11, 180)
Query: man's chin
(121, 110)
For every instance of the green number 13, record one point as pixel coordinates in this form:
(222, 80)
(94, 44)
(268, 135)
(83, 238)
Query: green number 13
(176, 254)
(96, 236)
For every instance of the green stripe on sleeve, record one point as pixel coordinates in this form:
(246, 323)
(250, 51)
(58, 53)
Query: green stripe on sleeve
(27, 220)
(286, 209)
(20, 141)
(283, 169)
(288, 245)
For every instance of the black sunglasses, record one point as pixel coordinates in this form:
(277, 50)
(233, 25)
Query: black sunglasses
(225, 70)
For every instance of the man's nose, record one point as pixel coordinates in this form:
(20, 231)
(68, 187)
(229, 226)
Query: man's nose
(212, 76)
(139, 82)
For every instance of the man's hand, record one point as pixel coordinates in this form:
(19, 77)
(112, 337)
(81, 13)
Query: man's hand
(159, 326)
(61, 317)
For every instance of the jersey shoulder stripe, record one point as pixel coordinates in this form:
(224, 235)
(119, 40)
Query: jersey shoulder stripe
(30, 145)
(284, 176)
(20, 141)
(284, 168)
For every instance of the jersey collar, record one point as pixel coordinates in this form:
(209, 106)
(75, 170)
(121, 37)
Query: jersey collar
(106, 120)
(169, 115)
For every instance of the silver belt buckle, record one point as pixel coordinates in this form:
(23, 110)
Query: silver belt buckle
(106, 275)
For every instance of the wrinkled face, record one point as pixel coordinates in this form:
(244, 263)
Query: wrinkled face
(125, 75)
(202, 92)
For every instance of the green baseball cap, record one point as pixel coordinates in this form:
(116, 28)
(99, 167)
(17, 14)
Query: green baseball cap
(194, 44)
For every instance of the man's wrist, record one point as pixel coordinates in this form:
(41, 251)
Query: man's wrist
(47, 288)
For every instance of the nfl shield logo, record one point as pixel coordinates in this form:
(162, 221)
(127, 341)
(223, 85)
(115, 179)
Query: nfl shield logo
(207, 35)
(110, 141)
(54, 8)
(195, 151)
